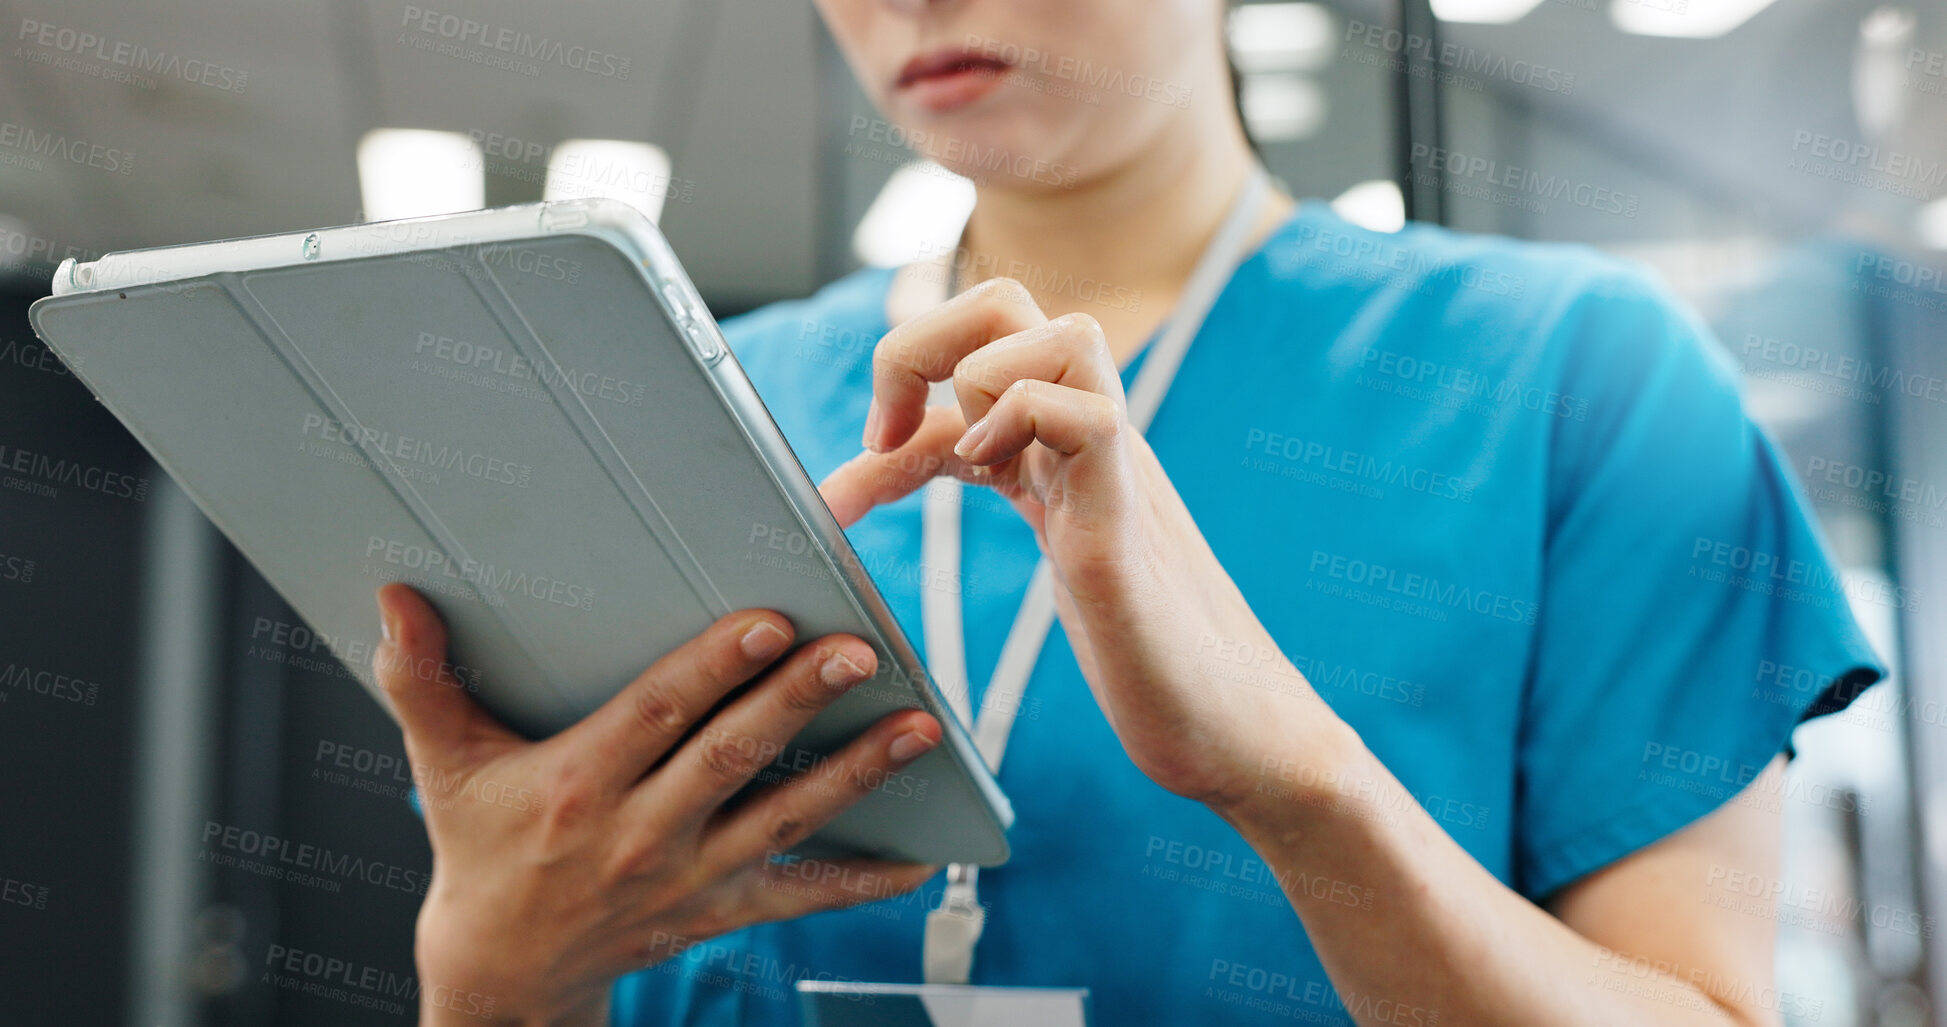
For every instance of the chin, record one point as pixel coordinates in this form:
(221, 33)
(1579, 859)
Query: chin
(1009, 144)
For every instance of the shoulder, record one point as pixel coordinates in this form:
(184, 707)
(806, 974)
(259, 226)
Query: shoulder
(1489, 304)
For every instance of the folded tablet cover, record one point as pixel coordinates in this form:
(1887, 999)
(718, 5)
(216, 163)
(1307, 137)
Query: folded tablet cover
(518, 432)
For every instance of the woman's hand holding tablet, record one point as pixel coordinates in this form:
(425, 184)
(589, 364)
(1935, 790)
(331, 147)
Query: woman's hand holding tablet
(616, 850)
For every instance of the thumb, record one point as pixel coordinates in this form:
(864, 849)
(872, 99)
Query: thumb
(431, 703)
(874, 479)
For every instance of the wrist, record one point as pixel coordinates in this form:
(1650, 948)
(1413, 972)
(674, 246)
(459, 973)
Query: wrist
(1294, 789)
(441, 1007)
(466, 978)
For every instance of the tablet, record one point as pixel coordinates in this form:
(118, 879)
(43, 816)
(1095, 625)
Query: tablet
(529, 415)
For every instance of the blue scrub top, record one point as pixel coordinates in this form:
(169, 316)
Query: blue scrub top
(1498, 501)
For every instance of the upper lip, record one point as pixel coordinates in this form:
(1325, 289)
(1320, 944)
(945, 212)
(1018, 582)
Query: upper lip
(945, 62)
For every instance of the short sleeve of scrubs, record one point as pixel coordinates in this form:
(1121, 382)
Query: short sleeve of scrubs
(1689, 616)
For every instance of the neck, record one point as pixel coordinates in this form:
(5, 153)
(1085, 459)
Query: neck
(1118, 245)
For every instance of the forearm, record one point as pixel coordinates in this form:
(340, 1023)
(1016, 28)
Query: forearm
(1441, 940)
(436, 1011)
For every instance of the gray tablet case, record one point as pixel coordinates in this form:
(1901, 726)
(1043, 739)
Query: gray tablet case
(529, 415)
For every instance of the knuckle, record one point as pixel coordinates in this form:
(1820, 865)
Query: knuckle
(806, 695)
(729, 757)
(658, 712)
(1005, 290)
(721, 667)
(1084, 327)
(570, 805)
(786, 830)
(1105, 418)
(633, 860)
(976, 371)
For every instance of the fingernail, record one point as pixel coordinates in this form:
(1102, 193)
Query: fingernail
(764, 641)
(871, 436)
(386, 630)
(909, 746)
(969, 442)
(839, 671)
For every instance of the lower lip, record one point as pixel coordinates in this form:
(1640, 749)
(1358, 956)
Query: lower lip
(939, 93)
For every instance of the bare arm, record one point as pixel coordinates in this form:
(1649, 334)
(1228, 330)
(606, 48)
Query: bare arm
(1041, 418)
(1446, 943)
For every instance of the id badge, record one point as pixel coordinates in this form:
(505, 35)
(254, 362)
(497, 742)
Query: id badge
(852, 1004)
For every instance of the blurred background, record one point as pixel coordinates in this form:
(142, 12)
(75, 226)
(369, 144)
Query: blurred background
(1781, 163)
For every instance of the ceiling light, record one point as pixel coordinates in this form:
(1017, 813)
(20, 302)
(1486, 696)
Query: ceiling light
(635, 173)
(1281, 37)
(1933, 224)
(1483, 12)
(1376, 205)
(411, 172)
(1683, 19)
(1280, 107)
(920, 212)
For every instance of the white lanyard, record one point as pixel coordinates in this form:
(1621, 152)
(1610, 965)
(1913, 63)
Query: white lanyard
(954, 928)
